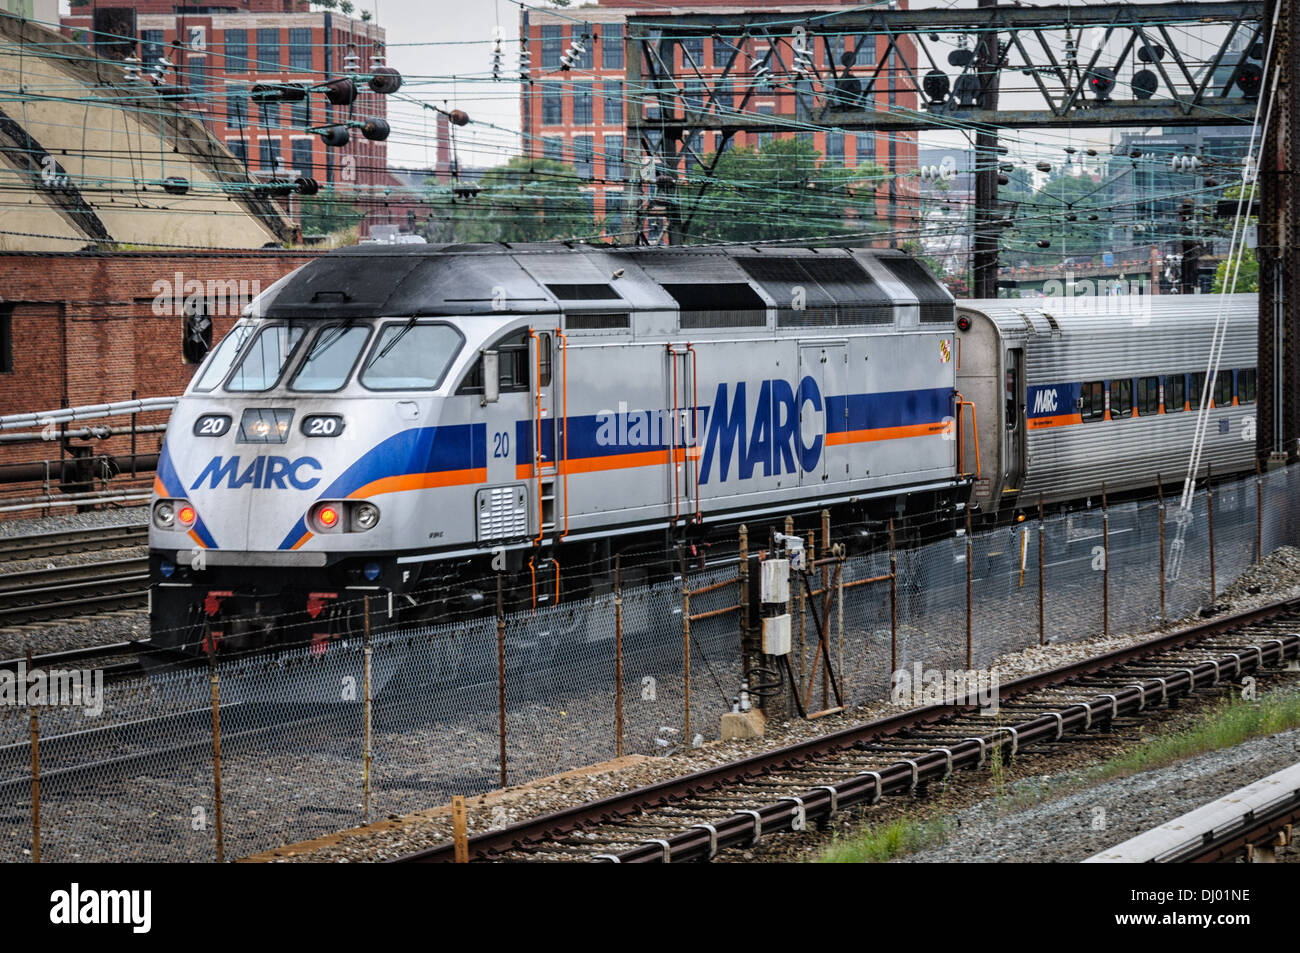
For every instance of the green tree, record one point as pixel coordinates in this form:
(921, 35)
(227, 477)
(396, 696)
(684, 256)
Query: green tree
(525, 200)
(783, 189)
(327, 212)
(1247, 276)
(1072, 212)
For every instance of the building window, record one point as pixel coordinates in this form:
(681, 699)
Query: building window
(300, 113)
(582, 150)
(302, 156)
(6, 338)
(552, 46)
(300, 49)
(239, 149)
(613, 209)
(693, 97)
(236, 105)
(614, 158)
(553, 148)
(270, 154)
(835, 147)
(693, 47)
(552, 104)
(723, 53)
(724, 96)
(197, 71)
(587, 59)
(236, 51)
(151, 47)
(864, 48)
(614, 103)
(836, 43)
(196, 331)
(582, 111)
(611, 46)
(268, 115)
(268, 50)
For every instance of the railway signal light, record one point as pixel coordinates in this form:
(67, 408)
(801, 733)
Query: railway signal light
(1101, 80)
(936, 85)
(1248, 79)
(1144, 84)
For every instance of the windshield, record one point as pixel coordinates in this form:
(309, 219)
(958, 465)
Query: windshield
(411, 356)
(221, 359)
(330, 360)
(265, 358)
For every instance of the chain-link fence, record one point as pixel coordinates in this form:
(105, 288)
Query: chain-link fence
(253, 753)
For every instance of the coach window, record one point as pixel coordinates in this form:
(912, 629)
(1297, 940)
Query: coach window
(411, 356)
(1223, 389)
(1121, 398)
(1092, 402)
(1195, 387)
(1148, 396)
(1009, 398)
(1246, 385)
(1175, 393)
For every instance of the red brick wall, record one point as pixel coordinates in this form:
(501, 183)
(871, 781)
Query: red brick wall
(85, 330)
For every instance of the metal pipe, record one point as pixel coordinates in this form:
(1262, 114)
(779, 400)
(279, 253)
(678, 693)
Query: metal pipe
(87, 412)
(501, 679)
(1105, 564)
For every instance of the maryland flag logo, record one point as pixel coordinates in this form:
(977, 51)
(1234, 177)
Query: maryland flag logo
(945, 351)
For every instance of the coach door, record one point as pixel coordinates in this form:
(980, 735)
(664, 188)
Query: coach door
(823, 411)
(1013, 419)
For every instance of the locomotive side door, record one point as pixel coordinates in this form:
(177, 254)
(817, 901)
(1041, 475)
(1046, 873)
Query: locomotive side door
(1013, 423)
(502, 507)
(822, 410)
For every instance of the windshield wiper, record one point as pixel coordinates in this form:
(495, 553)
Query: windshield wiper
(337, 331)
(410, 323)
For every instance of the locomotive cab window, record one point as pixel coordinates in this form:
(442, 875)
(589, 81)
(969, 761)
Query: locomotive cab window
(1246, 383)
(1223, 389)
(266, 358)
(1148, 396)
(410, 356)
(329, 363)
(512, 351)
(220, 360)
(1175, 393)
(1121, 398)
(1092, 401)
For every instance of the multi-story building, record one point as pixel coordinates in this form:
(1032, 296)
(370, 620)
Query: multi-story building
(219, 51)
(577, 116)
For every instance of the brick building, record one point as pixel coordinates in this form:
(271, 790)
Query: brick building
(577, 116)
(113, 326)
(228, 46)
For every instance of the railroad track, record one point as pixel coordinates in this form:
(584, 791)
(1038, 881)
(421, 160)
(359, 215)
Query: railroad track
(17, 548)
(40, 595)
(114, 659)
(736, 804)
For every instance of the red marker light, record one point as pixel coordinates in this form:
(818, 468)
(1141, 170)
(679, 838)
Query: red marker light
(328, 516)
(186, 515)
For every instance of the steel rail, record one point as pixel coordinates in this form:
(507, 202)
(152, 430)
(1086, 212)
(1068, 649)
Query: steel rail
(741, 829)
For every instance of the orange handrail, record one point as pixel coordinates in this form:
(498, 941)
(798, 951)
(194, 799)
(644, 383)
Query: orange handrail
(975, 430)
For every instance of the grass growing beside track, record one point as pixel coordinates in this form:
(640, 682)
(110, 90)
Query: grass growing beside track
(1227, 724)
(879, 843)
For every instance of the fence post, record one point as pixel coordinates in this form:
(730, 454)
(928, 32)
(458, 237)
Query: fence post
(1042, 589)
(1259, 514)
(970, 559)
(35, 723)
(459, 832)
(1160, 514)
(1105, 563)
(366, 650)
(215, 681)
(1209, 508)
(618, 657)
(501, 681)
(745, 646)
(893, 604)
(826, 601)
(686, 648)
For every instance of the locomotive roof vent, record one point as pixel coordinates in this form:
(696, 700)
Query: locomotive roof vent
(819, 291)
(937, 306)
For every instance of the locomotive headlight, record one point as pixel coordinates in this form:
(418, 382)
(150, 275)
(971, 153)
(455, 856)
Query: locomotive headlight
(164, 514)
(328, 517)
(365, 516)
(185, 515)
(261, 428)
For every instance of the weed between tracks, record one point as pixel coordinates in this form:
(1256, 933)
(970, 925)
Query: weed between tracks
(879, 843)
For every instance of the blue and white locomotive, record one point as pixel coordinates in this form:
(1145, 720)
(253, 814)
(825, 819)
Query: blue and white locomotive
(408, 422)
(402, 421)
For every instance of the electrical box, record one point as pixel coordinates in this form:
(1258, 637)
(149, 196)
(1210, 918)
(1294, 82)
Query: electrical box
(776, 581)
(776, 635)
